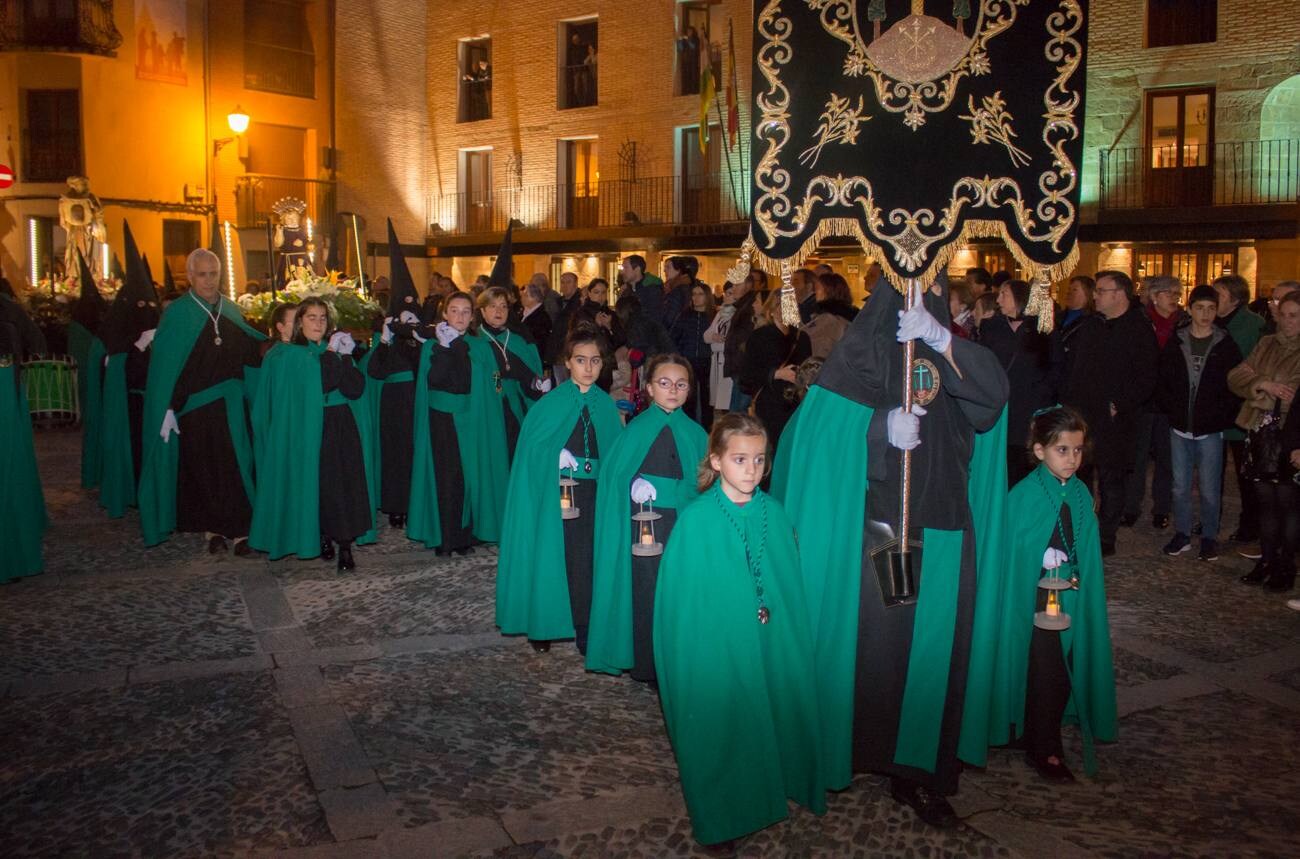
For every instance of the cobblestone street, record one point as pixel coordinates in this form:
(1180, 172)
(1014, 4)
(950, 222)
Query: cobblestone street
(168, 703)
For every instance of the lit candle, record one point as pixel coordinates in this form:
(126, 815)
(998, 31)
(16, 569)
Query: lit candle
(647, 539)
(564, 502)
(1053, 608)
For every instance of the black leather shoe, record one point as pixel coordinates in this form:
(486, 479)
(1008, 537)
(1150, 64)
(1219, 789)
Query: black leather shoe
(1055, 772)
(540, 646)
(326, 549)
(1160, 521)
(722, 848)
(1127, 521)
(216, 544)
(928, 805)
(1280, 580)
(1257, 575)
(345, 558)
(242, 549)
(397, 520)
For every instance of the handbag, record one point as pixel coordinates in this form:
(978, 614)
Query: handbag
(1263, 460)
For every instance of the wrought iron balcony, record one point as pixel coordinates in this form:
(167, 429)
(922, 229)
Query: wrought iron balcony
(256, 193)
(1239, 173)
(69, 26)
(663, 201)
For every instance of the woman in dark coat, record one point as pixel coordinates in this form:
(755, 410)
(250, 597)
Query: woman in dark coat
(1026, 355)
(771, 362)
(688, 335)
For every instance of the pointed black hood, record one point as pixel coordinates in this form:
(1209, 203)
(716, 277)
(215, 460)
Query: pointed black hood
(502, 269)
(403, 295)
(170, 291)
(135, 309)
(90, 307)
(148, 271)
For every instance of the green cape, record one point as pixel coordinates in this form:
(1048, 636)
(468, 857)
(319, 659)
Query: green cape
(288, 421)
(373, 400)
(609, 643)
(22, 505)
(1032, 515)
(532, 590)
(823, 488)
(487, 460)
(739, 697)
(89, 352)
(177, 330)
(117, 489)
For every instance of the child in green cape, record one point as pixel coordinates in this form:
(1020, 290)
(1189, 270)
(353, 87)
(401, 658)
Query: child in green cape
(1058, 666)
(546, 522)
(733, 650)
(651, 468)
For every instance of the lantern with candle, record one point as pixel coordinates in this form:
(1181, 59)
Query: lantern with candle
(1053, 616)
(568, 503)
(647, 544)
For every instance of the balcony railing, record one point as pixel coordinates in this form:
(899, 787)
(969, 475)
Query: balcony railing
(75, 26)
(579, 86)
(659, 201)
(255, 194)
(1240, 173)
(272, 68)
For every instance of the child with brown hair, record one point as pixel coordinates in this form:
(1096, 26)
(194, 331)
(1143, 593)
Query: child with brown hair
(733, 651)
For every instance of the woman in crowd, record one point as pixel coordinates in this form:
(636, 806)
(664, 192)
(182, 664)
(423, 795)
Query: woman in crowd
(534, 317)
(1267, 380)
(1026, 355)
(313, 488)
(595, 312)
(688, 335)
(716, 336)
(571, 426)
(961, 305)
(446, 478)
(984, 309)
(831, 314)
(652, 463)
(733, 650)
(771, 365)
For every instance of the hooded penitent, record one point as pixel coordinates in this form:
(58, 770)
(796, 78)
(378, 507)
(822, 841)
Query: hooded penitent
(88, 349)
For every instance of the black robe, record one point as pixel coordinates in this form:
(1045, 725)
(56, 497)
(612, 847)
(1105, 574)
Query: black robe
(580, 533)
(866, 366)
(396, 420)
(210, 493)
(449, 372)
(137, 375)
(513, 367)
(344, 494)
(662, 460)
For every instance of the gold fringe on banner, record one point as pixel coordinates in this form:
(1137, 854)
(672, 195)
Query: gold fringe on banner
(974, 229)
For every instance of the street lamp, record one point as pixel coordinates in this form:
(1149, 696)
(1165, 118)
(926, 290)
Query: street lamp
(238, 122)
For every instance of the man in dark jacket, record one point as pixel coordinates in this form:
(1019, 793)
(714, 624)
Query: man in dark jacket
(1245, 328)
(742, 325)
(571, 299)
(1193, 394)
(1112, 373)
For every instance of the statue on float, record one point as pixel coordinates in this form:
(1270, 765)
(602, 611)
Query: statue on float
(293, 245)
(82, 217)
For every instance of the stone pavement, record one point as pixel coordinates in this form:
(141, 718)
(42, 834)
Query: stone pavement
(165, 703)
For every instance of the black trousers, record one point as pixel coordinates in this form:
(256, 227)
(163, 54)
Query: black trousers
(1278, 505)
(1046, 694)
(1152, 446)
(1111, 483)
(1248, 524)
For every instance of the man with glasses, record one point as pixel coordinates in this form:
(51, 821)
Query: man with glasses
(1280, 291)
(1112, 375)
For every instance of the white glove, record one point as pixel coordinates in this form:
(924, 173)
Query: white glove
(1053, 558)
(919, 324)
(146, 337)
(169, 426)
(408, 317)
(643, 491)
(387, 335)
(342, 343)
(904, 428)
(446, 334)
(567, 461)
(542, 385)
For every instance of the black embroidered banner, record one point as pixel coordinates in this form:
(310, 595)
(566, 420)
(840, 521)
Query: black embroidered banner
(914, 125)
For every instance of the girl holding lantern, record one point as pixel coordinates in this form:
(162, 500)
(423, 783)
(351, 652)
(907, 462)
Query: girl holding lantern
(1055, 628)
(546, 520)
(652, 465)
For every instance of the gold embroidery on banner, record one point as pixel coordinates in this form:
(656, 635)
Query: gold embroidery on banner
(839, 124)
(916, 65)
(904, 235)
(990, 122)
